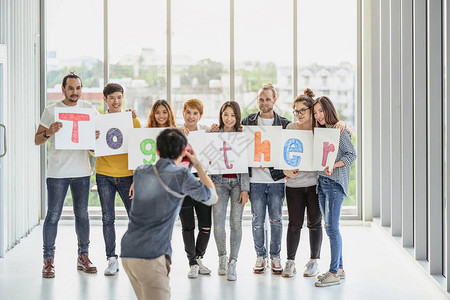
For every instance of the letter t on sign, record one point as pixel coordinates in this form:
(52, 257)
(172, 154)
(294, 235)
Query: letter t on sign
(261, 148)
(327, 148)
(225, 157)
(75, 118)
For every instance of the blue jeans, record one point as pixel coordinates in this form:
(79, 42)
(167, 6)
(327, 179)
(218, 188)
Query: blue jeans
(331, 197)
(270, 195)
(57, 190)
(228, 188)
(107, 187)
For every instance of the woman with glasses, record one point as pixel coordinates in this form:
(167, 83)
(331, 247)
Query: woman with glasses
(301, 193)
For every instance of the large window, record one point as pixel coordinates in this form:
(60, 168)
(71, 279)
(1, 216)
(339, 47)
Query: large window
(327, 63)
(193, 59)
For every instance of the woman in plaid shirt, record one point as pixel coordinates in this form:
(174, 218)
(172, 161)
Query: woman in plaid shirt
(333, 188)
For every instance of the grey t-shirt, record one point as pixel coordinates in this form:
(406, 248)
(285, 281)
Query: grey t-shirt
(304, 178)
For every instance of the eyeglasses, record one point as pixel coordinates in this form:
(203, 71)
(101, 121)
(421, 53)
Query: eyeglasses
(300, 112)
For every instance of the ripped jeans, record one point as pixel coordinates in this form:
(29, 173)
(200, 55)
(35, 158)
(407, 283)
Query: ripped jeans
(270, 195)
(331, 197)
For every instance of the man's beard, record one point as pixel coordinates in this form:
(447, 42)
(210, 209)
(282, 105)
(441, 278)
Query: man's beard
(73, 101)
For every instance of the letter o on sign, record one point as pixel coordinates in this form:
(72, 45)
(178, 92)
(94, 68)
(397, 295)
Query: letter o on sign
(114, 138)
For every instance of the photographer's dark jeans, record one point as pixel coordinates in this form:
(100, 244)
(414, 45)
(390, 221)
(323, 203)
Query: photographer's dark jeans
(297, 200)
(107, 187)
(57, 190)
(195, 249)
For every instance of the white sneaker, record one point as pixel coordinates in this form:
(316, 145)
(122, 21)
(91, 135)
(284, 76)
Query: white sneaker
(311, 268)
(202, 269)
(231, 271)
(289, 270)
(193, 271)
(260, 265)
(222, 265)
(276, 265)
(327, 279)
(113, 266)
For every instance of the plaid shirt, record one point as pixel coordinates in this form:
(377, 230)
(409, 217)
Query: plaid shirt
(347, 154)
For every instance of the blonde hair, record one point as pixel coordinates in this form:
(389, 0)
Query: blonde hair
(194, 103)
(268, 87)
(151, 121)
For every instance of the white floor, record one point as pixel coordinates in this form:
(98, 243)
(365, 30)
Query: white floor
(376, 269)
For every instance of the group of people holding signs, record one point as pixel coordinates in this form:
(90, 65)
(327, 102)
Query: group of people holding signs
(163, 171)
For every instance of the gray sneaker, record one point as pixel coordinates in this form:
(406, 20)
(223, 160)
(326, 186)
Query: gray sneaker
(231, 271)
(289, 270)
(341, 275)
(202, 268)
(193, 271)
(222, 265)
(311, 268)
(327, 279)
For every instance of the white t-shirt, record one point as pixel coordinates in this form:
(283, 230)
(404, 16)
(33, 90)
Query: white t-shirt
(263, 176)
(65, 163)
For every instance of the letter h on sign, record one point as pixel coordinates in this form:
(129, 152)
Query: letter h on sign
(261, 148)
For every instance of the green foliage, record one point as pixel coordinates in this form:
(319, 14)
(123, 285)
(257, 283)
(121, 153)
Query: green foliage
(120, 71)
(255, 74)
(205, 70)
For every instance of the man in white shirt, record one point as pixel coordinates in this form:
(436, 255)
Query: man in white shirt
(267, 188)
(65, 168)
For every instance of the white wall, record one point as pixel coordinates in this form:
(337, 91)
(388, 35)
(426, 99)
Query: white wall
(19, 30)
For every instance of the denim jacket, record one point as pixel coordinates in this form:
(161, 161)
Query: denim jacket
(252, 120)
(153, 210)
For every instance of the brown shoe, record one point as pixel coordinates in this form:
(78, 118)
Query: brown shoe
(48, 271)
(85, 265)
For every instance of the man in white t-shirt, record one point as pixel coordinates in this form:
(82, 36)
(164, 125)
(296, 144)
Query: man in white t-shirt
(65, 168)
(267, 188)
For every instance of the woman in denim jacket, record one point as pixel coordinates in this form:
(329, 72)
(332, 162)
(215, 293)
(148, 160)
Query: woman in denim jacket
(234, 187)
(333, 188)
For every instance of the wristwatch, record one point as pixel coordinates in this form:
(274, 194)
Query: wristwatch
(45, 135)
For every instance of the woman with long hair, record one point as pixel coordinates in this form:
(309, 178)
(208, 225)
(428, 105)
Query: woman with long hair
(333, 188)
(233, 187)
(301, 194)
(161, 115)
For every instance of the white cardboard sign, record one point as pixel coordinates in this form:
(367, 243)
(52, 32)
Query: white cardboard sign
(263, 145)
(142, 146)
(113, 137)
(326, 146)
(78, 130)
(297, 150)
(223, 153)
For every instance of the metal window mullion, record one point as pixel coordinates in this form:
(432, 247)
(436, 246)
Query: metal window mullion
(232, 66)
(407, 124)
(43, 98)
(169, 56)
(105, 47)
(434, 133)
(359, 175)
(395, 94)
(420, 134)
(385, 119)
(295, 49)
(376, 134)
